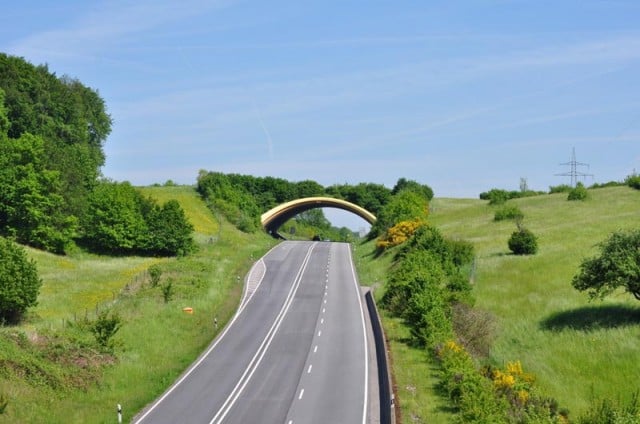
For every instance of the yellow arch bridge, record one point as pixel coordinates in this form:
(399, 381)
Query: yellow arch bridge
(274, 218)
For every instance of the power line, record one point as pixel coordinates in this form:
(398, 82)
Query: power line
(574, 173)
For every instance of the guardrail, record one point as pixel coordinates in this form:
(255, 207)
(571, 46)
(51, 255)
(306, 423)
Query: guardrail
(386, 397)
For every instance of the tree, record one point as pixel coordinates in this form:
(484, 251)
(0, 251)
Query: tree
(19, 282)
(617, 265)
(31, 206)
(114, 221)
(407, 205)
(70, 118)
(404, 184)
(169, 230)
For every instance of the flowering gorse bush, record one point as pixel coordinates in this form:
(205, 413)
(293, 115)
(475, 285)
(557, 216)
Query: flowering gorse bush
(493, 395)
(399, 233)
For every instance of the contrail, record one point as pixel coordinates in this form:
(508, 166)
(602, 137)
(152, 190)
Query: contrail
(266, 132)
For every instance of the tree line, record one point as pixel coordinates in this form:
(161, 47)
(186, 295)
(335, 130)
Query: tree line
(52, 194)
(243, 198)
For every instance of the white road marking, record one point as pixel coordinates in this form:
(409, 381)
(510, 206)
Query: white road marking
(364, 337)
(214, 344)
(264, 346)
(309, 370)
(322, 321)
(315, 349)
(324, 310)
(319, 333)
(301, 394)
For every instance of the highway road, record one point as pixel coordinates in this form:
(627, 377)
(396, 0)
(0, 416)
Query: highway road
(295, 353)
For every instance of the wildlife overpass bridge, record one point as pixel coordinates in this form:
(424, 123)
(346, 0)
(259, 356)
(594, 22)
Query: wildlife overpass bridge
(274, 218)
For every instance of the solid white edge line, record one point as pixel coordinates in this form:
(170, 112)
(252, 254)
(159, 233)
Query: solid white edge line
(210, 349)
(364, 334)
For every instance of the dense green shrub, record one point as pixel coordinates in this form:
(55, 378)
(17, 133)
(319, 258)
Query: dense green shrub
(607, 184)
(633, 181)
(578, 193)
(495, 196)
(508, 212)
(562, 188)
(523, 242)
(19, 282)
(617, 265)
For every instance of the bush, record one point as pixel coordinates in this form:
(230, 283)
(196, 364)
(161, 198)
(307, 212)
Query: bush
(578, 193)
(508, 212)
(398, 234)
(19, 282)
(562, 188)
(633, 181)
(155, 272)
(523, 242)
(495, 196)
(104, 328)
(167, 291)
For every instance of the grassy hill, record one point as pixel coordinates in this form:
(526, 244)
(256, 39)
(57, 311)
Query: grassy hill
(578, 350)
(49, 370)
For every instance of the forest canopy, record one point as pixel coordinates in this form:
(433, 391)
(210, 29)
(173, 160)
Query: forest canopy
(52, 132)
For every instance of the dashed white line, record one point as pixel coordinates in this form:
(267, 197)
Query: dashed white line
(322, 321)
(324, 310)
(315, 349)
(301, 394)
(319, 333)
(309, 370)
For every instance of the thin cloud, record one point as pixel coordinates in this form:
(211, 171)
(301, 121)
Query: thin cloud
(111, 23)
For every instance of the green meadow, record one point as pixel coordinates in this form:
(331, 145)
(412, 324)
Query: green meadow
(579, 350)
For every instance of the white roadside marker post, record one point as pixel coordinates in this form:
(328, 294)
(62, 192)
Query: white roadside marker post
(119, 414)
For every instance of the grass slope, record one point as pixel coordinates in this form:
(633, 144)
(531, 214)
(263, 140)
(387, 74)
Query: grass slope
(157, 341)
(577, 349)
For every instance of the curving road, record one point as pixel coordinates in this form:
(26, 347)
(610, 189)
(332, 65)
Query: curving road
(296, 351)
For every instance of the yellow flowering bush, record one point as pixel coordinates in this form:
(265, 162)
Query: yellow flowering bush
(399, 233)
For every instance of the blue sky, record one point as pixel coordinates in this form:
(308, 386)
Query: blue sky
(461, 95)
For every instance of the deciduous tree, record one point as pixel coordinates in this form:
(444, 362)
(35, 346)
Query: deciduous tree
(617, 265)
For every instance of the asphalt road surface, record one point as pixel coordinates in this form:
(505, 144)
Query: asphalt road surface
(295, 353)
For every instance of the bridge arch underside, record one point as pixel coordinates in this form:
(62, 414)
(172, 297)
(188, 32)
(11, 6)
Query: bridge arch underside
(273, 219)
